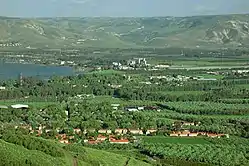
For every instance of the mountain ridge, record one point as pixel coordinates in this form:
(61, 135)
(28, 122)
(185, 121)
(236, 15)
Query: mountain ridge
(187, 32)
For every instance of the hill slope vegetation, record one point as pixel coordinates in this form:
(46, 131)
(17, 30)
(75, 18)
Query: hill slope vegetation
(191, 32)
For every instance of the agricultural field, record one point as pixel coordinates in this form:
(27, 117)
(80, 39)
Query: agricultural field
(195, 149)
(245, 86)
(207, 153)
(209, 108)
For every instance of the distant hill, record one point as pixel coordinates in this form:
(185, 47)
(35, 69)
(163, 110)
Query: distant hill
(190, 32)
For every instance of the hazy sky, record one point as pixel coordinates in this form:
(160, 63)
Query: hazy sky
(117, 8)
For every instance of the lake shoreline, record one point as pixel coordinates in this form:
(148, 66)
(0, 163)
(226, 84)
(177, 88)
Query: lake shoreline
(10, 70)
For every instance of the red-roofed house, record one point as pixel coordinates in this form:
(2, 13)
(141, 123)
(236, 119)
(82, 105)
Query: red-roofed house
(101, 138)
(39, 132)
(121, 141)
(92, 141)
(62, 136)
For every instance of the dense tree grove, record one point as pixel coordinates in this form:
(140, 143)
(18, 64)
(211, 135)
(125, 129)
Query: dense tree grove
(57, 89)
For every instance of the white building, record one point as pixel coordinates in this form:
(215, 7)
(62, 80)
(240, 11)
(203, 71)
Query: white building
(19, 106)
(2, 88)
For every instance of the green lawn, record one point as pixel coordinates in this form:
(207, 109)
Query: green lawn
(174, 140)
(32, 104)
(106, 72)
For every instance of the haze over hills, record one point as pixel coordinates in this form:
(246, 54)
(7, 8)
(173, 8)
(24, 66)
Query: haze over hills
(190, 32)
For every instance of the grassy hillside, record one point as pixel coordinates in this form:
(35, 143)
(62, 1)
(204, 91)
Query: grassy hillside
(12, 154)
(17, 155)
(99, 157)
(198, 31)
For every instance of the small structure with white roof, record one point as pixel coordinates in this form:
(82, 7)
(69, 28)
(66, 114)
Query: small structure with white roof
(20, 106)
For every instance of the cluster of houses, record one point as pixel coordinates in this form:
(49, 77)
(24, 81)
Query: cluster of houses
(134, 63)
(137, 62)
(109, 135)
(111, 138)
(187, 133)
(103, 134)
(12, 44)
(131, 64)
(183, 132)
(134, 131)
(182, 78)
(183, 123)
(63, 138)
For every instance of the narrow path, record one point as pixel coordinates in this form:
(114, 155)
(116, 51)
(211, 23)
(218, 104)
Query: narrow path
(127, 161)
(75, 162)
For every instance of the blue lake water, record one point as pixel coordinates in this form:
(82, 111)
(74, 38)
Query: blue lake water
(12, 70)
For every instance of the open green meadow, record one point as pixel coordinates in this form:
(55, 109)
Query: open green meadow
(31, 104)
(106, 72)
(173, 140)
